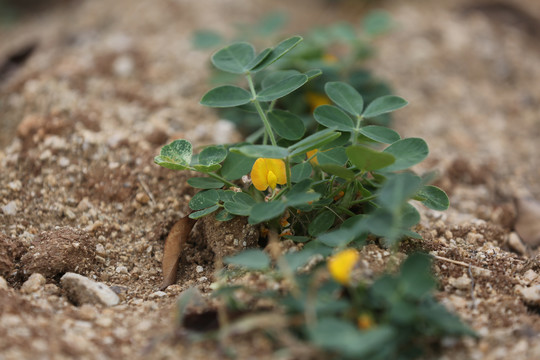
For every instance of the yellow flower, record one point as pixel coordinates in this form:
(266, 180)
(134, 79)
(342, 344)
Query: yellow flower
(342, 264)
(330, 58)
(316, 99)
(364, 321)
(313, 160)
(268, 172)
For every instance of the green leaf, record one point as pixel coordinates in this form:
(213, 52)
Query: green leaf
(275, 77)
(212, 155)
(206, 168)
(282, 88)
(368, 159)
(200, 214)
(237, 208)
(205, 183)
(236, 165)
(226, 195)
(321, 223)
(408, 152)
(224, 215)
(300, 172)
(204, 199)
(176, 155)
(286, 124)
(398, 189)
(380, 133)
(234, 58)
(383, 105)
(337, 170)
(333, 118)
(342, 337)
(240, 204)
(314, 141)
(266, 211)
(336, 156)
(313, 73)
(261, 151)
(259, 58)
(416, 279)
(281, 49)
(206, 39)
(434, 198)
(409, 216)
(345, 96)
(251, 259)
(226, 96)
(297, 199)
(297, 259)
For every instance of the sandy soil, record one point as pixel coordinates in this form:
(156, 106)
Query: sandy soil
(109, 82)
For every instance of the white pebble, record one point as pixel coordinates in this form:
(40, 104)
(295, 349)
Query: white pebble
(121, 269)
(199, 269)
(10, 208)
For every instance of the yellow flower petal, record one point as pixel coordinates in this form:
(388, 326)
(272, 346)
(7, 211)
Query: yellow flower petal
(342, 264)
(259, 174)
(277, 167)
(317, 99)
(272, 180)
(268, 172)
(313, 160)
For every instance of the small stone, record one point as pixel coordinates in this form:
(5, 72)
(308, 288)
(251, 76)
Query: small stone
(3, 284)
(199, 269)
(100, 250)
(87, 312)
(142, 198)
(33, 284)
(10, 208)
(104, 321)
(82, 290)
(63, 162)
(515, 243)
(530, 295)
(69, 214)
(203, 279)
(462, 283)
(123, 66)
(15, 185)
(158, 294)
(121, 269)
(530, 276)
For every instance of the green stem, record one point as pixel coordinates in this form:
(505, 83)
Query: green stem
(262, 115)
(362, 200)
(288, 171)
(217, 177)
(354, 140)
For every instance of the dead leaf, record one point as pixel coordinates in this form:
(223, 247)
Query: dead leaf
(528, 221)
(173, 247)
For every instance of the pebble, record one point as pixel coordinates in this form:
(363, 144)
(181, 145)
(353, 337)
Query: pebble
(142, 198)
(199, 269)
(15, 185)
(158, 294)
(515, 243)
(3, 284)
(10, 208)
(63, 162)
(462, 283)
(530, 276)
(121, 269)
(33, 284)
(82, 290)
(530, 295)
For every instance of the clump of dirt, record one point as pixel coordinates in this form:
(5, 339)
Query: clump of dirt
(10, 253)
(226, 238)
(53, 253)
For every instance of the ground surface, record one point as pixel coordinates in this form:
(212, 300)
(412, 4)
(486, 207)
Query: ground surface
(109, 82)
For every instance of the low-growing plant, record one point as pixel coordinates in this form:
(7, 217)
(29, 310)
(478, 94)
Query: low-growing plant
(339, 50)
(330, 190)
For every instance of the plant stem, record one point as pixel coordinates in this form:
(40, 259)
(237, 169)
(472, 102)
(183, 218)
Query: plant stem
(362, 200)
(261, 112)
(288, 171)
(217, 177)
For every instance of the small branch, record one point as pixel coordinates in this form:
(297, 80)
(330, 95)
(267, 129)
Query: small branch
(460, 263)
(146, 189)
(473, 304)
